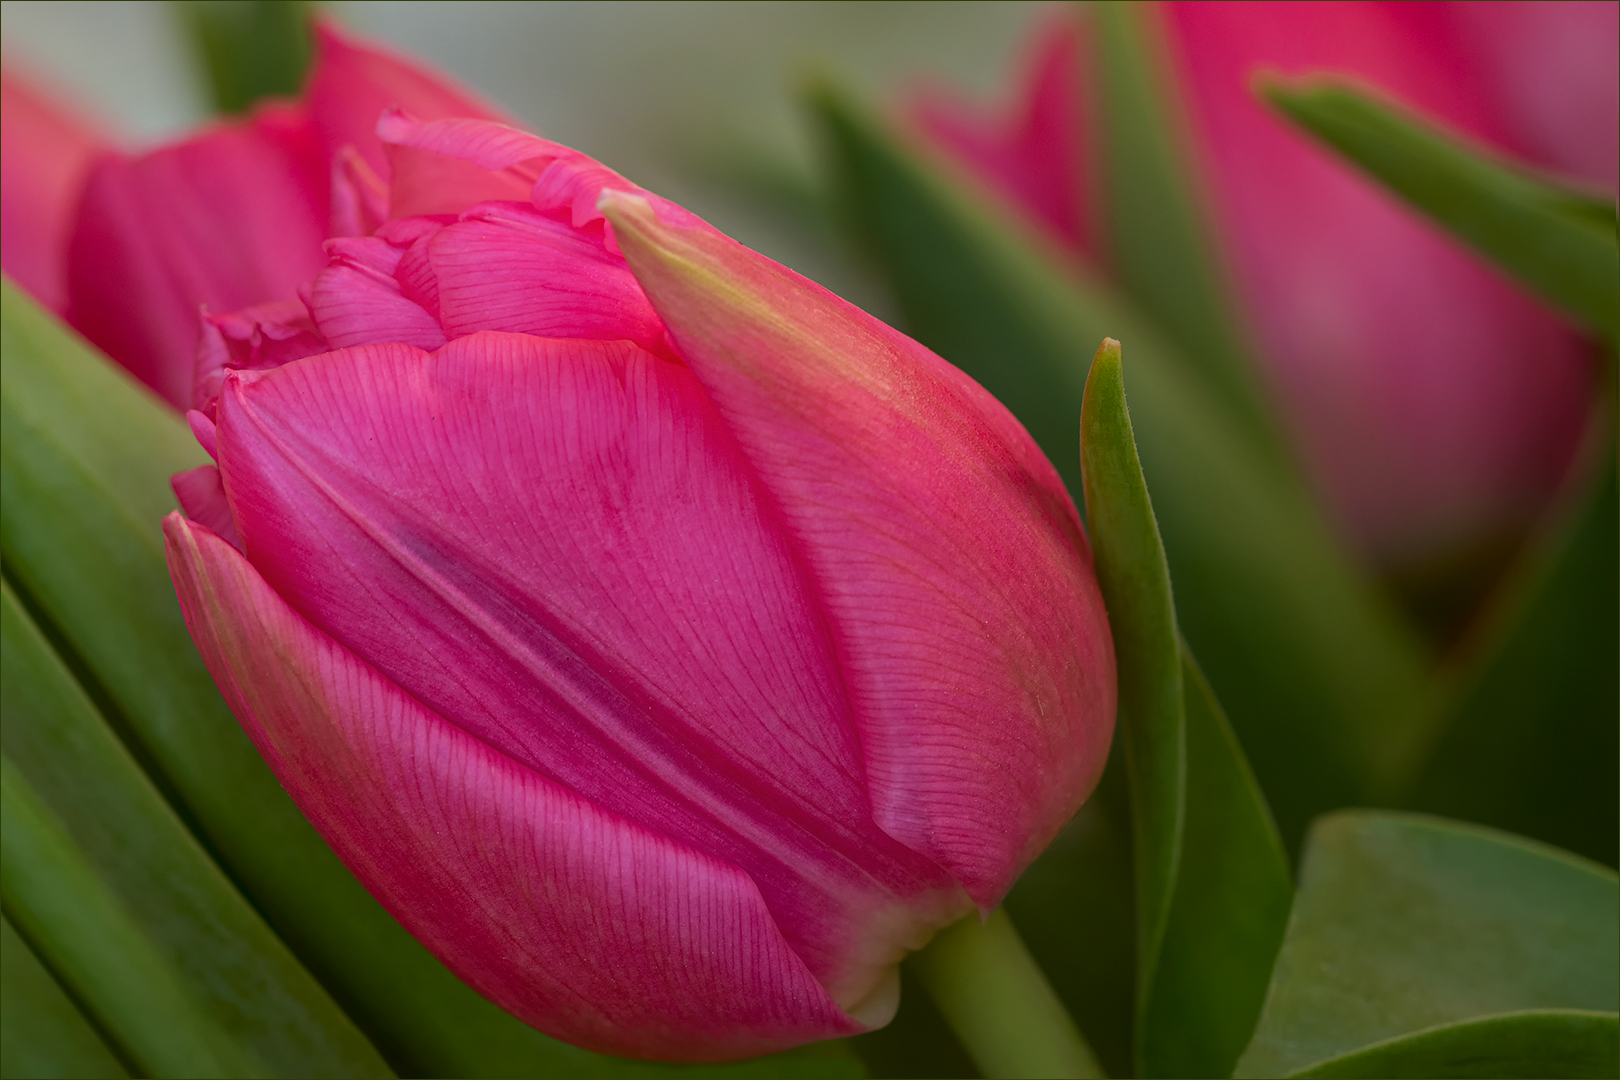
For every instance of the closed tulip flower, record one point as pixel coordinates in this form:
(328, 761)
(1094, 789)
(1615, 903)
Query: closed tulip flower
(669, 645)
(1435, 404)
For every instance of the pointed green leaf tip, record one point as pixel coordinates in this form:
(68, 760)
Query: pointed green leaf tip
(1213, 888)
(1558, 240)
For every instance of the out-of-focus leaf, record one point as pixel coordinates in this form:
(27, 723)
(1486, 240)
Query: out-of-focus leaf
(1543, 1042)
(1159, 238)
(1315, 668)
(1559, 241)
(1530, 735)
(85, 457)
(1406, 922)
(1212, 881)
(250, 49)
(95, 842)
(42, 1033)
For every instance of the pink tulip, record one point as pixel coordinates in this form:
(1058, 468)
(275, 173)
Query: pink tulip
(669, 645)
(231, 217)
(45, 155)
(1434, 402)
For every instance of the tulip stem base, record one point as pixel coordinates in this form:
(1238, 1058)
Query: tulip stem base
(999, 1003)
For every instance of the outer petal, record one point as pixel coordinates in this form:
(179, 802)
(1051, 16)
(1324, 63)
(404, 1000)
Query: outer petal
(554, 545)
(229, 219)
(1032, 153)
(353, 84)
(587, 926)
(1435, 401)
(951, 563)
(45, 154)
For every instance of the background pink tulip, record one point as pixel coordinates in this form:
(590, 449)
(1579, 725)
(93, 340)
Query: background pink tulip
(45, 155)
(230, 218)
(668, 644)
(1436, 405)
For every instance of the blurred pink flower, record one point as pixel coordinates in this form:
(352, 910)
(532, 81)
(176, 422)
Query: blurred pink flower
(668, 644)
(130, 245)
(1434, 402)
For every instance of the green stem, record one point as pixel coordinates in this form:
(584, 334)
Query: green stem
(1000, 1005)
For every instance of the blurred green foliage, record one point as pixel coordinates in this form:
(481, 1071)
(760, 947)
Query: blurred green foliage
(251, 49)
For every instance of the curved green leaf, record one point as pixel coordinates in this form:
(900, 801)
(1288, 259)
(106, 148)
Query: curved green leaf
(1547, 1042)
(114, 894)
(1318, 673)
(1406, 922)
(1212, 882)
(42, 1032)
(1558, 240)
(85, 459)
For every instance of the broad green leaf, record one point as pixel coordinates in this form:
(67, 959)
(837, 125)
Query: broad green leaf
(251, 49)
(1212, 883)
(1557, 240)
(42, 1032)
(113, 892)
(1530, 738)
(1533, 1043)
(1316, 670)
(85, 457)
(1406, 922)
(1159, 238)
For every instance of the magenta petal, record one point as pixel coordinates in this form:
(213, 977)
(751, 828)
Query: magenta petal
(1031, 153)
(950, 560)
(227, 220)
(589, 927)
(554, 545)
(357, 300)
(45, 155)
(202, 497)
(506, 266)
(353, 84)
(359, 196)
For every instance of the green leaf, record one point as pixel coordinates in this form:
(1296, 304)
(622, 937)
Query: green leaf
(1558, 240)
(1529, 735)
(251, 49)
(1406, 922)
(1317, 671)
(85, 457)
(1542, 1042)
(117, 896)
(1212, 881)
(1159, 237)
(42, 1033)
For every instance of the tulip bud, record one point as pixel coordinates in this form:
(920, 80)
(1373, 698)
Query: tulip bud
(669, 645)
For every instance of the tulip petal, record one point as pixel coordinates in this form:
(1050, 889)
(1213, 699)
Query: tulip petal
(352, 85)
(202, 497)
(1031, 154)
(229, 219)
(358, 301)
(506, 266)
(45, 155)
(534, 538)
(949, 558)
(588, 926)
